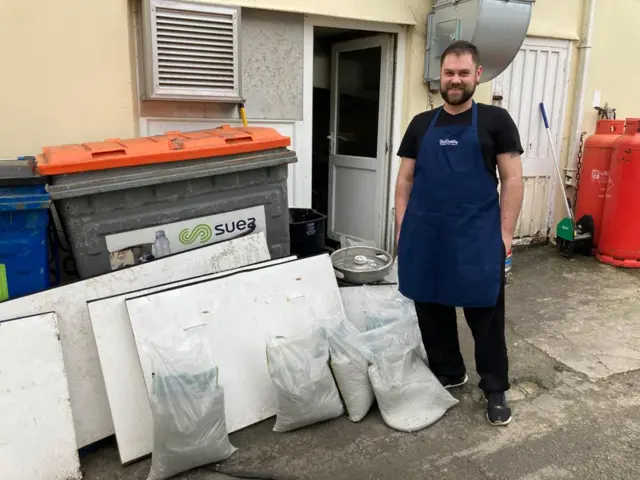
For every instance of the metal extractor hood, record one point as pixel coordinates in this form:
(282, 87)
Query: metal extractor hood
(497, 27)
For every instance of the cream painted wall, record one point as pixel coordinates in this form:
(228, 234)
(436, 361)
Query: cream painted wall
(557, 19)
(71, 65)
(390, 11)
(71, 76)
(550, 18)
(614, 61)
(66, 73)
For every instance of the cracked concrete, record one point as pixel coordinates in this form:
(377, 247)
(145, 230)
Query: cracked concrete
(573, 336)
(586, 316)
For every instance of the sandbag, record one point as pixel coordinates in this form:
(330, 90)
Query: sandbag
(351, 371)
(415, 402)
(187, 405)
(409, 395)
(304, 388)
(380, 306)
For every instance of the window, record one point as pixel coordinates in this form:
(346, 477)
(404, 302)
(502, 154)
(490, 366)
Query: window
(191, 51)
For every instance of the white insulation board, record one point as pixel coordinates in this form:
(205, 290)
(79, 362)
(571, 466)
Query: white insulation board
(126, 389)
(89, 404)
(240, 312)
(37, 439)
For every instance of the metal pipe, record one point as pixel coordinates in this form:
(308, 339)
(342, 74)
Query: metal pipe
(583, 72)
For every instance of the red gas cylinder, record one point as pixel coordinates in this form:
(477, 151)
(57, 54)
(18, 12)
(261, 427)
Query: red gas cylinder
(620, 237)
(594, 172)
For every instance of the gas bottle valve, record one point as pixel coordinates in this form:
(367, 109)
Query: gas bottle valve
(606, 113)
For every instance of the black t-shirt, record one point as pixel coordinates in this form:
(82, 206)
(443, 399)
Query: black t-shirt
(497, 131)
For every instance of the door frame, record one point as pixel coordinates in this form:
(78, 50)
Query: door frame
(558, 125)
(386, 44)
(302, 180)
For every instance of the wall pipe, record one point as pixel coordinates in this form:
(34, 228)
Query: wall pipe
(584, 62)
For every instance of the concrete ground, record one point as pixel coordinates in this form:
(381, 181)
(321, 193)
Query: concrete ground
(574, 341)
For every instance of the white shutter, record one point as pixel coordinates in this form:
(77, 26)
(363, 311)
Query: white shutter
(191, 51)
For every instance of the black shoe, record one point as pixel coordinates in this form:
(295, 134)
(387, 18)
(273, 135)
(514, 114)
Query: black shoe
(498, 410)
(453, 382)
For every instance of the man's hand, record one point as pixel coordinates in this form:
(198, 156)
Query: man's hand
(508, 242)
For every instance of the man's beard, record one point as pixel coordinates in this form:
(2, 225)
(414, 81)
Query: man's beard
(467, 93)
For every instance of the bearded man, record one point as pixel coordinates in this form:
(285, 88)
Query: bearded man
(454, 229)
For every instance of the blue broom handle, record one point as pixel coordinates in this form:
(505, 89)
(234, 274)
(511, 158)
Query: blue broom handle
(544, 115)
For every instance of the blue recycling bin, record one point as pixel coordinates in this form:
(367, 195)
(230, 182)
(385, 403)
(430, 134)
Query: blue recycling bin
(24, 222)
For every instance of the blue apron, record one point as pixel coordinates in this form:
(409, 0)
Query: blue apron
(450, 249)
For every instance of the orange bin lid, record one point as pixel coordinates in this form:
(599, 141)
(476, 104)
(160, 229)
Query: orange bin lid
(171, 147)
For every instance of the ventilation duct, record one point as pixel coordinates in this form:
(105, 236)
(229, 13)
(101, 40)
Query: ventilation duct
(496, 27)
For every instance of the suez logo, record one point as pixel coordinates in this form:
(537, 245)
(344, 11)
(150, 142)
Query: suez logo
(447, 142)
(204, 233)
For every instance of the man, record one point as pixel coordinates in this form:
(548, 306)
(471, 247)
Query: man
(454, 228)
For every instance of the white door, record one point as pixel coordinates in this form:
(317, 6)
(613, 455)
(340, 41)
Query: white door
(539, 73)
(360, 117)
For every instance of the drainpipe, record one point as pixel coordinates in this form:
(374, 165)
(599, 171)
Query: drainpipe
(578, 101)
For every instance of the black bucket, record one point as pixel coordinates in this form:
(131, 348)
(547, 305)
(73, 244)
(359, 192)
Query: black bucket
(307, 229)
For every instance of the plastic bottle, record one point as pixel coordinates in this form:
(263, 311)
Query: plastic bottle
(161, 247)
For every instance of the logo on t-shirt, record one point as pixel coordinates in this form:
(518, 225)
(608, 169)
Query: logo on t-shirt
(447, 142)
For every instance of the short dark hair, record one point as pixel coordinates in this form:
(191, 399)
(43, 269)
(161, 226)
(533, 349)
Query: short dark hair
(461, 47)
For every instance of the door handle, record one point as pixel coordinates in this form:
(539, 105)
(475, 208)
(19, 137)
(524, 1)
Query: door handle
(340, 137)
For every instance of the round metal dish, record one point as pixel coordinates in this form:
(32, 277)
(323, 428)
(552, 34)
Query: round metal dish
(361, 265)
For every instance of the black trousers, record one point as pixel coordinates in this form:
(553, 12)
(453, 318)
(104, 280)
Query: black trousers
(439, 328)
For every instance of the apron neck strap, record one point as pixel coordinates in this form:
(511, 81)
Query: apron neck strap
(435, 118)
(474, 114)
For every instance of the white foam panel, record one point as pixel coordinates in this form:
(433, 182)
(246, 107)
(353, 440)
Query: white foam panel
(89, 403)
(37, 438)
(126, 390)
(240, 312)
